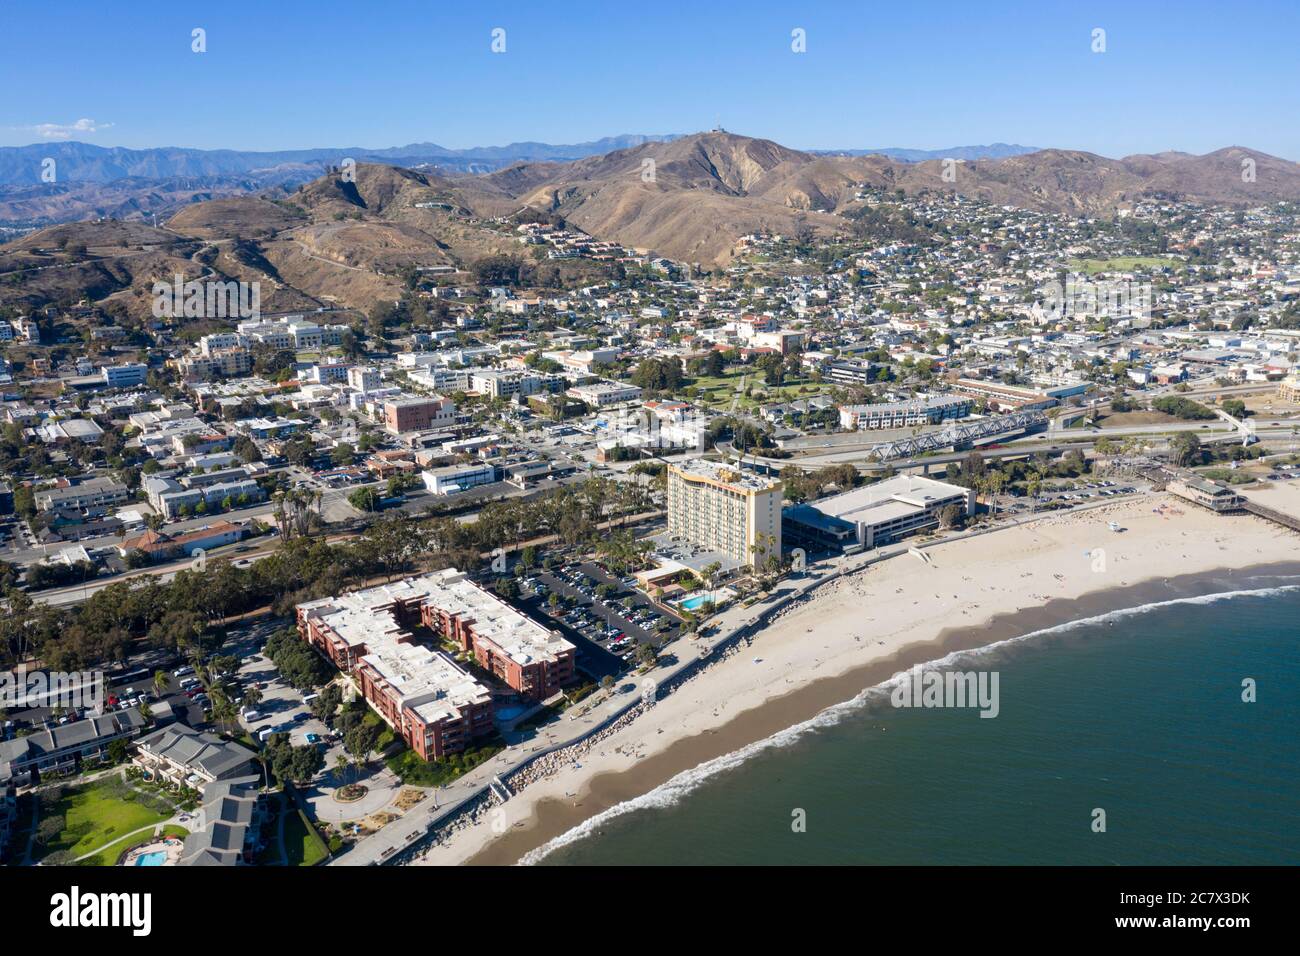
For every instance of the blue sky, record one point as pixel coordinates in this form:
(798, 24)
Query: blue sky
(281, 74)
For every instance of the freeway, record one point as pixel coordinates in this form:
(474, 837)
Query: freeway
(1273, 428)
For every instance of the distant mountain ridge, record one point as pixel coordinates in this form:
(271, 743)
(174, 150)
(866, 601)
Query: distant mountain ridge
(77, 162)
(688, 197)
(86, 162)
(990, 151)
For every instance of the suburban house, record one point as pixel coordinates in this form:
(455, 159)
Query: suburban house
(229, 819)
(190, 757)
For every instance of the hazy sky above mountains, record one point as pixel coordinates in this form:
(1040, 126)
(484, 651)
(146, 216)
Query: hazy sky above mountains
(1192, 76)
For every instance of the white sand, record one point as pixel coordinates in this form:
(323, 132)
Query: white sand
(902, 601)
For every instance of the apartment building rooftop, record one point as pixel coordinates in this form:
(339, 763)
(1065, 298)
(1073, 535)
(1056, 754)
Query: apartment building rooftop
(430, 682)
(518, 636)
(427, 682)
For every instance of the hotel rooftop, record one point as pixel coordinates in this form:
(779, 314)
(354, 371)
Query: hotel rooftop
(725, 473)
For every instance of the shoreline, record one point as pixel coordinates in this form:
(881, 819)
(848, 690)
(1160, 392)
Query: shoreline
(676, 736)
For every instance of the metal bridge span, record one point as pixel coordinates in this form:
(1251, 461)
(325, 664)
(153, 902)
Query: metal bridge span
(956, 436)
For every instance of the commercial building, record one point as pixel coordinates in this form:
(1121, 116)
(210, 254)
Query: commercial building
(418, 414)
(1207, 494)
(930, 410)
(714, 506)
(852, 371)
(600, 394)
(436, 705)
(84, 430)
(1289, 388)
(508, 383)
(291, 333)
(219, 363)
(1005, 398)
(453, 478)
(157, 545)
(364, 378)
(876, 514)
(168, 496)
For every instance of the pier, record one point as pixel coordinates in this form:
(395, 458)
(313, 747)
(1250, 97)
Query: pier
(1290, 522)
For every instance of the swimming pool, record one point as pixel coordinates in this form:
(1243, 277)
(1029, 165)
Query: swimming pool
(693, 603)
(156, 858)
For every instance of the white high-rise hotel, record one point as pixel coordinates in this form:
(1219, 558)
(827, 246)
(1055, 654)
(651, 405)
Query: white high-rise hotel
(714, 506)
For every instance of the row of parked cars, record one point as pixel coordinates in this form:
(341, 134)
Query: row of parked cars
(602, 628)
(1104, 489)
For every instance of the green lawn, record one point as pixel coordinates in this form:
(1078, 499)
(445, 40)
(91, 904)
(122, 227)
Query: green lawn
(97, 814)
(1122, 264)
(111, 853)
(303, 846)
(418, 772)
(721, 391)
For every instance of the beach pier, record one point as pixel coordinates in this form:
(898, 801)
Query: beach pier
(1290, 522)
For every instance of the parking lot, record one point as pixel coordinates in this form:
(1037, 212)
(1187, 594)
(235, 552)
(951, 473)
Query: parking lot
(284, 709)
(1063, 497)
(605, 630)
(281, 709)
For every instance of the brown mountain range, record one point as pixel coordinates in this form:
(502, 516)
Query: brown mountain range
(346, 242)
(708, 189)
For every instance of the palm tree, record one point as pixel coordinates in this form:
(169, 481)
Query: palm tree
(994, 482)
(160, 682)
(223, 711)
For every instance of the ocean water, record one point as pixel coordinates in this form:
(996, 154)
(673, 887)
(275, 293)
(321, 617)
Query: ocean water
(1138, 713)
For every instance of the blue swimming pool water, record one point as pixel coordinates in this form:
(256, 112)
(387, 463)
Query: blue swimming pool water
(156, 858)
(692, 603)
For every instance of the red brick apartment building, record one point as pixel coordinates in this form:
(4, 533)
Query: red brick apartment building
(435, 704)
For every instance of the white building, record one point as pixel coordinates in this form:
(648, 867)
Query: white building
(125, 375)
(453, 478)
(601, 394)
(879, 513)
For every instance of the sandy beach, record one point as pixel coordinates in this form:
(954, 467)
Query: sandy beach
(863, 628)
